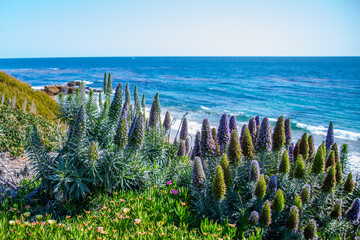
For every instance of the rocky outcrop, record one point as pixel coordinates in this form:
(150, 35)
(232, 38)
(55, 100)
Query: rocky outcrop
(54, 90)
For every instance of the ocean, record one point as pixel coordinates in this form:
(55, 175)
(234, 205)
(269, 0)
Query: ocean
(312, 91)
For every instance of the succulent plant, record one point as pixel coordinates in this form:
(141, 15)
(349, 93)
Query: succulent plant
(218, 186)
(311, 146)
(298, 203)
(288, 134)
(278, 137)
(336, 210)
(224, 163)
(349, 184)
(330, 136)
(254, 171)
(257, 120)
(319, 161)
(234, 150)
(247, 144)
(310, 231)
(279, 201)
(329, 182)
(207, 145)
(223, 136)
(339, 173)
(167, 121)
(198, 178)
(265, 215)
(260, 188)
(184, 129)
(252, 129)
(78, 129)
(304, 146)
(353, 213)
(292, 222)
(330, 161)
(181, 149)
(121, 133)
(196, 149)
(300, 170)
(254, 218)
(263, 141)
(136, 133)
(284, 166)
(272, 184)
(306, 193)
(232, 124)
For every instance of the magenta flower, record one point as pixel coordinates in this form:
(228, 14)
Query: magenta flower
(168, 182)
(175, 192)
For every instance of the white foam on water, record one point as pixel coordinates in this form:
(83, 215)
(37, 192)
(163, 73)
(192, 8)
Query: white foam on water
(37, 87)
(205, 108)
(88, 82)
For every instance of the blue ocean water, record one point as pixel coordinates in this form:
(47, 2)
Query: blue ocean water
(312, 91)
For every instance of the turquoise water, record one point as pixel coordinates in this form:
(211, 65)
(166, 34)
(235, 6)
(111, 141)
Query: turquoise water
(312, 91)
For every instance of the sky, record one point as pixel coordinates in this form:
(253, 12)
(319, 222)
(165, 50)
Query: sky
(90, 28)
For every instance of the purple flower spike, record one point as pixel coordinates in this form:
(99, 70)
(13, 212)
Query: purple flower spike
(252, 129)
(330, 136)
(184, 130)
(198, 175)
(272, 185)
(196, 149)
(291, 151)
(79, 127)
(207, 145)
(223, 136)
(288, 133)
(232, 123)
(353, 214)
(257, 120)
(263, 141)
(254, 171)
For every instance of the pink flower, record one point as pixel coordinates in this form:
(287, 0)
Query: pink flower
(175, 192)
(100, 229)
(42, 223)
(137, 221)
(168, 182)
(121, 200)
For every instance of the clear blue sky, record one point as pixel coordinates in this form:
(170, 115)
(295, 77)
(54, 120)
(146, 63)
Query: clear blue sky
(68, 28)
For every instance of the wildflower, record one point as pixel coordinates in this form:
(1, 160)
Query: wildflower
(306, 193)
(184, 130)
(292, 223)
(174, 192)
(247, 144)
(234, 150)
(336, 211)
(223, 136)
(330, 136)
(68, 217)
(349, 184)
(168, 182)
(181, 149)
(330, 161)
(43, 223)
(319, 161)
(296, 150)
(154, 115)
(300, 170)
(272, 184)
(279, 202)
(288, 135)
(11, 222)
(263, 141)
(137, 133)
(254, 218)
(329, 182)
(278, 137)
(51, 222)
(298, 203)
(207, 145)
(336, 151)
(198, 176)
(39, 216)
(284, 166)
(254, 171)
(137, 221)
(121, 132)
(79, 127)
(126, 210)
(167, 122)
(310, 231)
(291, 151)
(218, 187)
(116, 104)
(232, 124)
(311, 146)
(121, 200)
(252, 129)
(257, 120)
(27, 214)
(227, 172)
(339, 173)
(260, 188)
(353, 213)
(100, 229)
(265, 215)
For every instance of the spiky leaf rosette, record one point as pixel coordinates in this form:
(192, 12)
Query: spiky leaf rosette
(196, 149)
(349, 184)
(291, 152)
(232, 124)
(336, 151)
(353, 213)
(234, 151)
(329, 182)
(187, 145)
(330, 136)
(136, 133)
(167, 121)
(319, 161)
(296, 150)
(260, 188)
(278, 137)
(181, 149)
(339, 173)
(284, 166)
(263, 141)
(306, 193)
(257, 120)
(330, 161)
(153, 116)
(224, 163)
(298, 203)
(254, 218)
(310, 231)
(336, 210)
(93, 152)
(304, 146)
(254, 171)
(265, 215)
(121, 134)
(292, 222)
(207, 145)
(247, 144)
(116, 104)
(198, 176)
(218, 185)
(184, 129)
(300, 170)
(279, 201)
(288, 134)
(223, 136)
(79, 127)
(272, 184)
(252, 129)
(311, 146)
